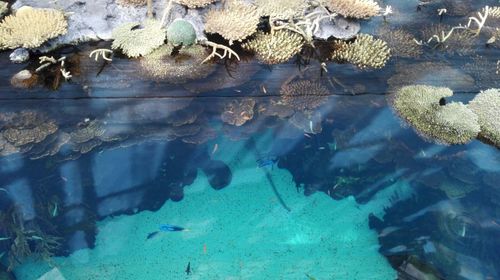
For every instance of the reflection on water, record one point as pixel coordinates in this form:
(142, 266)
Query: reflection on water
(312, 168)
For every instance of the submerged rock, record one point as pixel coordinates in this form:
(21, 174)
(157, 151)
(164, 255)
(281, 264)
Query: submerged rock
(340, 28)
(24, 79)
(20, 55)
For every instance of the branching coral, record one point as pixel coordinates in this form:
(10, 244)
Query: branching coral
(364, 52)
(401, 42)
(195, 3)
(486, 105)
(185, 66)
(281, 9)
(136, 39)
(452, 123)
(234, 22)
(304, 95)
(30, 28)
(276, 47)
(449, 39)
(354, 8)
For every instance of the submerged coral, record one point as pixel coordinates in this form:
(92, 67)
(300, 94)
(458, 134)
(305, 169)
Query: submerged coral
(181, 33)
(354, 8)
(276, 47)
(304, 95)
(136, 39)
(401, 42)
(234, 22)
(364, 52)
(132, 2)
(452, 123)
(460, 41)
(281, 9)
(238, 112)
(486, 105)
(30, 27)
(4, 8)
(185, 66)
(195, 3)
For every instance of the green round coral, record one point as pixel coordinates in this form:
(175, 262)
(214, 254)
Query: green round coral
(452, 123)
(486, 105)
(181, 32)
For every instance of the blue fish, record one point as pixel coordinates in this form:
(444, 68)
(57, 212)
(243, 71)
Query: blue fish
(266, 162)
(166, 228)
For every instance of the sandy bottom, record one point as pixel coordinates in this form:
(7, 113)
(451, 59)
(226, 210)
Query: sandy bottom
(239, 232)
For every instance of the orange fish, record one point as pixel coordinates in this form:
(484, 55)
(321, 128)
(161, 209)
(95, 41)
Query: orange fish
(204, 248)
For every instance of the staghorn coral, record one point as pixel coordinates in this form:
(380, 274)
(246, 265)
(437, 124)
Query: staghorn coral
(238, 112)
(400, 41)
(276, 47)
(281, 9)
(134, 3)
(4, 8)
(181, 32)
(195, 3)
(185, 66)
(486, 105)
(461, 41)
(30, 28)
(494, 12)
(304, 95)
(234, 22)
(364, 52)
(420, 106)
(136, 39)
(354, 8)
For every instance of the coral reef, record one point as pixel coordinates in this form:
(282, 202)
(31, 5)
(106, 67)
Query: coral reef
(304, 95)
(136, 39)
(461, 41)
(234, 22)
(276, 47)
(4, 8)
(429, 73)
(401, 42)
(452, 123)
(195, 3)
(365, 52)
(486, 105)
(20, 131)
(281, 9)
(133, 3)
(484, 72)
(181, 32)
(30, 28)
(185, 66)
(354, 8)
(238, 112)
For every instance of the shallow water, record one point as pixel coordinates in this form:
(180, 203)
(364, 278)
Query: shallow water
(346, 191)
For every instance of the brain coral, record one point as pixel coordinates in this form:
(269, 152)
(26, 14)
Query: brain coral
(452, 123)
(486, 105)
(30, 28)
(365, 52)
(234, 22)
(354, 8)
(277, 47)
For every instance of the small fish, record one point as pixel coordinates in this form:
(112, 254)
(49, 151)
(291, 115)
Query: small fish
(311, 126)
(152, 234)
(34, 237)
(188, 268)
(4, 238)
(4, 190)
(1, 255)
(167, 227)
(307, 135)
(54, 212)
(264, 90)
(216, 147)
(204, 248)
(266, 162)
(310, 277)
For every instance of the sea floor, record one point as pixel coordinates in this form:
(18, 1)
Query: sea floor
(239, 232)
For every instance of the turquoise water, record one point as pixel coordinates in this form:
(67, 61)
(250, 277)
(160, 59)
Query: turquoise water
(91, 169)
